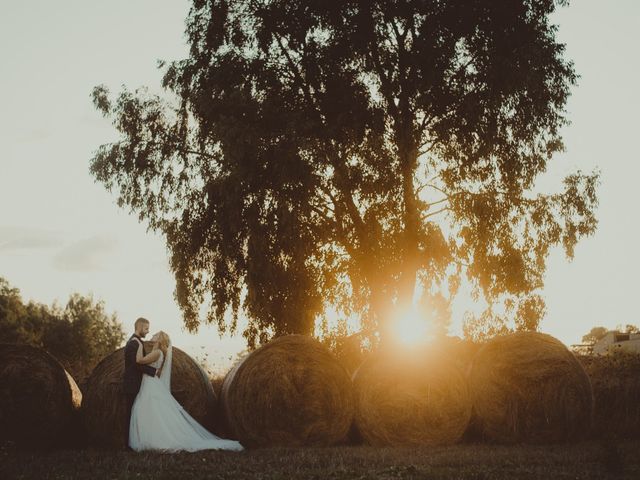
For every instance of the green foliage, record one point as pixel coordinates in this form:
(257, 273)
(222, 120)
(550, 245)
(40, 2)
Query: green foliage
(522, 316)
(347, 348)
(78, 335)
(616, 388)
(595, 334)
(627, 329)
(341, 153)
(15, 325)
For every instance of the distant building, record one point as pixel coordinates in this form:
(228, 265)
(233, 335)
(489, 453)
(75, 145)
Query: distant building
(613, 341)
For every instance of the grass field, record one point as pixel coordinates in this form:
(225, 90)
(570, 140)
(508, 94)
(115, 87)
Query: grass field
(590, 460)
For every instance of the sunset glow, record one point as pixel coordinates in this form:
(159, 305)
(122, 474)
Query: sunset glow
(62, 232)
(411, 328)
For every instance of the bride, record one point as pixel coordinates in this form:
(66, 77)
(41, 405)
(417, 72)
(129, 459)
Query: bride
(158, 421)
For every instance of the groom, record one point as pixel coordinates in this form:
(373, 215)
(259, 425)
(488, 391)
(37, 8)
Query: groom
(133, 371)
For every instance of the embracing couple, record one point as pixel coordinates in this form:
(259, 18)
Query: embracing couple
(155, 420)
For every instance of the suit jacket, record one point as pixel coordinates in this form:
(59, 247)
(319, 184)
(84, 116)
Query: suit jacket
(132, 370)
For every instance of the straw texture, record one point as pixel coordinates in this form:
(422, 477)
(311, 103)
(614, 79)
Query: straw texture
(38, 399)
(104, 405)
(528, 387)
(414, 398)
(289, 392)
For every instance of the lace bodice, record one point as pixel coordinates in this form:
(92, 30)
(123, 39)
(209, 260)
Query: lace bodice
(158, 362)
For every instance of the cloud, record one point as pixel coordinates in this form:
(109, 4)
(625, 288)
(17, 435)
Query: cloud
(26, 238)
(86, 255)
(35, 135)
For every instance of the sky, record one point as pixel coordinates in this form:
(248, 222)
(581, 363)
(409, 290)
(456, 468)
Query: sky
(60, 232)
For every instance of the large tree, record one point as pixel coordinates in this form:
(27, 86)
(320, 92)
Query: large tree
(349, 154)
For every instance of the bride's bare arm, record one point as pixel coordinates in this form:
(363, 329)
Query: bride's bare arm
(143, 359)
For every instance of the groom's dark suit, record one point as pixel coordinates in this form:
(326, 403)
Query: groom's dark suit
(132, 378)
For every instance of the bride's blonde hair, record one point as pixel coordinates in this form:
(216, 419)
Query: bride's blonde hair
(163, 342)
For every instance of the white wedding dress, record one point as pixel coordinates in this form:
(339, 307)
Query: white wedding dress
(159, 422)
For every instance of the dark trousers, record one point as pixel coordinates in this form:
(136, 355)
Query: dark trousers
(129, 398)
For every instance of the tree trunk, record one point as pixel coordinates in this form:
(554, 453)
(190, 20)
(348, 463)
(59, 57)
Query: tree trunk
(408, 154)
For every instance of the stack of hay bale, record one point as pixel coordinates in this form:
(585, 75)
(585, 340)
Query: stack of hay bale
(522, 387)
(517, 388)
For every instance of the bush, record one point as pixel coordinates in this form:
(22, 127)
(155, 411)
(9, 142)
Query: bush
(616, 388)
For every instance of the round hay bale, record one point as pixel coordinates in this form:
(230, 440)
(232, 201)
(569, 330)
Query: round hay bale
(411, 399)
(289, 392)
(38, 398)
(104, 404)
(528, 387)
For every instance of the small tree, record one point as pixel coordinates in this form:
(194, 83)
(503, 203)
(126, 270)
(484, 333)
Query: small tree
(79, 335)
(12, 313)
(628, 329)
(595, 334)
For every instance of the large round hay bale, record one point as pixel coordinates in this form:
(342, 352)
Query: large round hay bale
(38, 398)
(104, 404)
(528, 387)
(289, 392)
(411, 399)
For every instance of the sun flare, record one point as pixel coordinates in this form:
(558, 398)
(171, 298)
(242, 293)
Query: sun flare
(412, 328)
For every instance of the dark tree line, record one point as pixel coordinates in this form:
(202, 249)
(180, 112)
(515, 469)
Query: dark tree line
(79, 334)
(350, 154)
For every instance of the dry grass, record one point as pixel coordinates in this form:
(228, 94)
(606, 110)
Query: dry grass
(103, 406)
(39, 400)
(411, 399)
(528, 387)
(574, 461)
(289, 392)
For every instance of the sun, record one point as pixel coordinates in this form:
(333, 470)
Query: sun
(411, 328)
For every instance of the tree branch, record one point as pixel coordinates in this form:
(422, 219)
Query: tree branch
(433, 214)
(385, 82)
(185, 151)
(304, 87)
(438, 202)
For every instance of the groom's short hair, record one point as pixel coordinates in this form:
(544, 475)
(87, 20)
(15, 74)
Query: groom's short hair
(139, 322)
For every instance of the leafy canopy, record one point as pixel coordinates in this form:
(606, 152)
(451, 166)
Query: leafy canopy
(595, 334)
(346, 155)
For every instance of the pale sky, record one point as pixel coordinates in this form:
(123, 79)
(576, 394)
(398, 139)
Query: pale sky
(61, 233)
